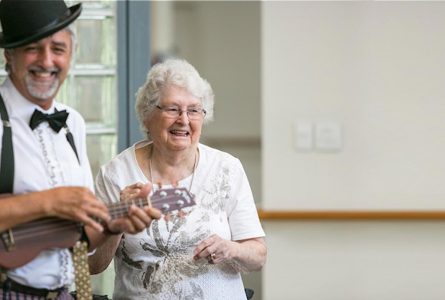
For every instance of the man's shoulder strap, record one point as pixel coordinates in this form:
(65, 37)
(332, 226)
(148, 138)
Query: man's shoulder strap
(7, 153)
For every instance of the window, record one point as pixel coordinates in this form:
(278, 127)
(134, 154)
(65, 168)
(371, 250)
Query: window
(91, 86)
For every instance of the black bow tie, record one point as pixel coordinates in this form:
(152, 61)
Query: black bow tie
(56, 120)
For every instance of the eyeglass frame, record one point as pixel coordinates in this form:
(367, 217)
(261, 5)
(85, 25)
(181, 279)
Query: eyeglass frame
(170, 109)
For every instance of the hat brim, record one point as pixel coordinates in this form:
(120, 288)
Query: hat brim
(44, 32)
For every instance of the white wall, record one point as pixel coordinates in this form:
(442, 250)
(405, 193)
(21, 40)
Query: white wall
(377, 69)
(355, 261)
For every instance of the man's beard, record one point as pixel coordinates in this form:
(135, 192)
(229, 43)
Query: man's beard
(35, 88)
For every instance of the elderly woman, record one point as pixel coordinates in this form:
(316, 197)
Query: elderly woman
(200, 251)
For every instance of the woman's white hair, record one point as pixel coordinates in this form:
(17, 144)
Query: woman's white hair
(172, 72)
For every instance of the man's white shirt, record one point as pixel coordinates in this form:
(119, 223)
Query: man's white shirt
(44, 159)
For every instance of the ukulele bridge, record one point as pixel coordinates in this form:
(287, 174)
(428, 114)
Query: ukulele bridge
(8, 240)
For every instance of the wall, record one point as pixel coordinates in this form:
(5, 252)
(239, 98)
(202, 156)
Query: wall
(376, 69)
(358, 260)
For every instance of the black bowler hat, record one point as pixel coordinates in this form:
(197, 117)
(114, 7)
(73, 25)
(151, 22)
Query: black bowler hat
(27, 21)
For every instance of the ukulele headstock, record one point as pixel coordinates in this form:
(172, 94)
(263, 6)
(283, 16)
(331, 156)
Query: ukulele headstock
(171, 199)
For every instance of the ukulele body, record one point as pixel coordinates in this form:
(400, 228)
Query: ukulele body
(22, 243)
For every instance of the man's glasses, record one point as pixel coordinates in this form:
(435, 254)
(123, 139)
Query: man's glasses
(174, 112)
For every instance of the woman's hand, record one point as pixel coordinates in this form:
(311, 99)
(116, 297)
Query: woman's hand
(134, 191)
(215, 249)
(138, 218)
(244, 256)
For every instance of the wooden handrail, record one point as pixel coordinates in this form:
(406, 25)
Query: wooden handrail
(239, 142)
(298, 215)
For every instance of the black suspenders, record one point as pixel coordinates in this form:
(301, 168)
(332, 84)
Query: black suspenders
(70, 139)
(7, 154)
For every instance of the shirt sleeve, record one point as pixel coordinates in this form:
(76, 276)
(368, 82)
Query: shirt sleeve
(106, 189)
(243, 216)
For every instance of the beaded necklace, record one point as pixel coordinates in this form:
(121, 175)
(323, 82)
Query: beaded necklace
(159, 184)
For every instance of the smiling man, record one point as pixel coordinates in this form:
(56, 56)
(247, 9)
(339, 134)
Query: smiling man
(44, 169)
(38, 69)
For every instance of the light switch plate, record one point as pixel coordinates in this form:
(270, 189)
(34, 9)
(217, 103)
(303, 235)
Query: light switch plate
(303, 136)
(328, 136)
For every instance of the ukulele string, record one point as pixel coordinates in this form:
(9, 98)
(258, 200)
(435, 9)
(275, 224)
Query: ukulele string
(121, 209)
(41, 223)
(43, 228)
(29, 234)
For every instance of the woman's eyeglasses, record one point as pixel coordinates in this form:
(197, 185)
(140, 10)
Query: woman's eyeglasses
(174, 112)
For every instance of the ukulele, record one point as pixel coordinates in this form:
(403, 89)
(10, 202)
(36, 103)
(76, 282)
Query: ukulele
(22, 243)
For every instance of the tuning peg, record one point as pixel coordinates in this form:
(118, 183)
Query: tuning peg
(165, 207)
